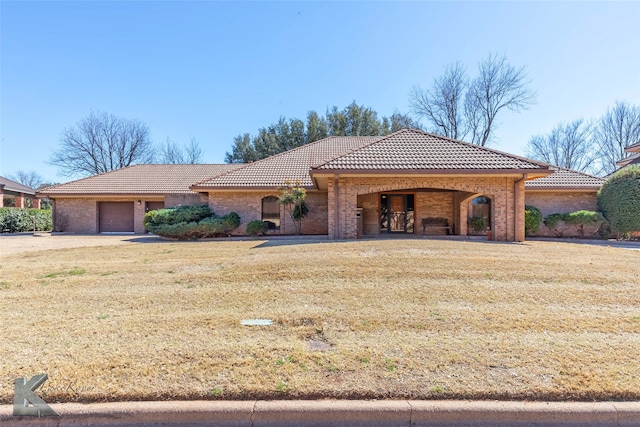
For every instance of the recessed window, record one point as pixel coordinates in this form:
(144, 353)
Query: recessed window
(271, 212)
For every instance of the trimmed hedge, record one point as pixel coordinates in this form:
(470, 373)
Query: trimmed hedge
(257, 228)
(619, 200)
(532, 220)
(189, 222)
(558, 222)
(580, 219)
(15, 220)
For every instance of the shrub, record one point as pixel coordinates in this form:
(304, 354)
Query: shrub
(580, 219)
(176, 215)
(257, 228)
(14, 220)
(189, 222)
(477, 223)
(532, 220)
(619, 200)
(554, 223)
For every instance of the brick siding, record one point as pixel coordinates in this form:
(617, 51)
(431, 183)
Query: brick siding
(550, 202)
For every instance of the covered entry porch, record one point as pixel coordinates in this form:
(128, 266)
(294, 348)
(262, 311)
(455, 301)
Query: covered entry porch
(422, 211)
(370, 206)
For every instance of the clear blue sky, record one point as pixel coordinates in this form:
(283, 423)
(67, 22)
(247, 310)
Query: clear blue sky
(213, 70)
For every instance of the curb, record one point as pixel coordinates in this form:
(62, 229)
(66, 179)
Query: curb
(335, 413)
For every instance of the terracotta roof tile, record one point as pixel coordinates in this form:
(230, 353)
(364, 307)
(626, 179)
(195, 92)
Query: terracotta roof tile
(562, 178)
(415, 150)
(294, 164)
(141, 179)
(15, 186)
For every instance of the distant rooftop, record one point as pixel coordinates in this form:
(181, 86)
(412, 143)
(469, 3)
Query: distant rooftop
(11, 185)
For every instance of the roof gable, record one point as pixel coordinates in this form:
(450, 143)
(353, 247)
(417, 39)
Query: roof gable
(409, 150)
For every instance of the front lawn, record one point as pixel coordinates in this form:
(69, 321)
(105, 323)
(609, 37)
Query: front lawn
(403, 318)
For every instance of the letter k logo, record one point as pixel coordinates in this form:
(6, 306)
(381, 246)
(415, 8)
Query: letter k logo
(23, 394)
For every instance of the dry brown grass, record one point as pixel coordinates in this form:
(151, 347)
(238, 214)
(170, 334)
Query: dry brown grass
(392, 319)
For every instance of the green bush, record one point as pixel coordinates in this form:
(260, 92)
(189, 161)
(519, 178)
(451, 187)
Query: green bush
(15, 220)
(477, 223)
(532, 220)
(554, 221)
(176, 215)
(257, 228)
(580, 219)
(619, 200)
(189, 222)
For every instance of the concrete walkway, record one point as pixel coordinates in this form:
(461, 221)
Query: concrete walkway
(322, 413)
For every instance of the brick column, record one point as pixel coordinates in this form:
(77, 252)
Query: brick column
(20, 201)
(36, 203)
(332, 198)
(519, 210)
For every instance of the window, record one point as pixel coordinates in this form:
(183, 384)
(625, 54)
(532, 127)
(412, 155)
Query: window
(271, 212)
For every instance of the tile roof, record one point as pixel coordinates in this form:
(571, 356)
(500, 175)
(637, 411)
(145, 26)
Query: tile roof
(402, 150)
(633, 147)
(411, 149)
(293, 165)
(141, 179)
(562, 178)
(15, 186)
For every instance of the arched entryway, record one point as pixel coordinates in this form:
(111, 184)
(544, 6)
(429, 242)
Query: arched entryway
(479, 219)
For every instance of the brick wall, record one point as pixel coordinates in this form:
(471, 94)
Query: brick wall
(75, 215)
(249, 206)
(550, 202)
(173, 200)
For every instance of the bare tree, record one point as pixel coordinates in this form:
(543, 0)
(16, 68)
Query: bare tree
(443, 106)
(172, 153)
(568, 145)
(31, 179)
(461, 108)
(101, 143)
(618, 128)
(499, 85)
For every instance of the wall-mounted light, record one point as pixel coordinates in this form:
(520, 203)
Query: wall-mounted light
(139, 202)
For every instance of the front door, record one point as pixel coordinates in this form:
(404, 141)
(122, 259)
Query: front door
(396, 213)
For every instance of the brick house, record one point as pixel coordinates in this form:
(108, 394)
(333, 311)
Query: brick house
(14, 194)
(356, 186)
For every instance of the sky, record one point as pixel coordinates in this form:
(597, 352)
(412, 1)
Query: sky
(212, 70)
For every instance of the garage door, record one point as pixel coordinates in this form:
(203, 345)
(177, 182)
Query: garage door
(116, 217)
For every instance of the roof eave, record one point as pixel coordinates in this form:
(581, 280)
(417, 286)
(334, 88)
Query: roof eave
(563, 188)
(532, 173)
(202, 189)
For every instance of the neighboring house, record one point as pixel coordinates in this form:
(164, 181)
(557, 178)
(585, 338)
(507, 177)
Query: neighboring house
(14, 194)
(563, 191)
(633, 158)
(355, 186)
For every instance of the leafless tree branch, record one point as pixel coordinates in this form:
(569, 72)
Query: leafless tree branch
(101, 143)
